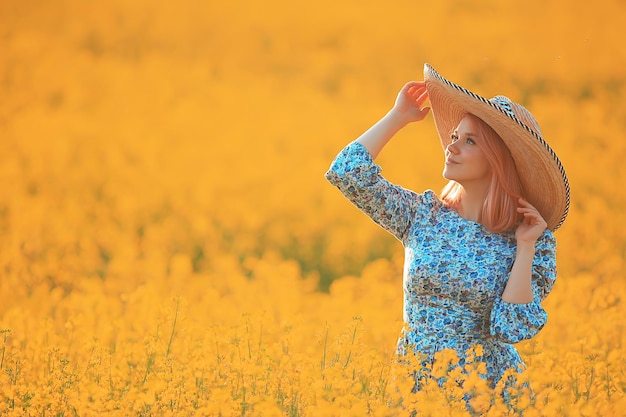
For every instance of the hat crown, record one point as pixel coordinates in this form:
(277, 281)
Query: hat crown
(516, 111)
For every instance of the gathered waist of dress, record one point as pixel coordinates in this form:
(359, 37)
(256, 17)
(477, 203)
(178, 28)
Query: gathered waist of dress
(438, 316)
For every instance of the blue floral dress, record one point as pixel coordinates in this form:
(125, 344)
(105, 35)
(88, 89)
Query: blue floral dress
(455, 270)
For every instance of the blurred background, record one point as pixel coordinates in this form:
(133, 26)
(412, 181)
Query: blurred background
(152, 149)
(203, 127)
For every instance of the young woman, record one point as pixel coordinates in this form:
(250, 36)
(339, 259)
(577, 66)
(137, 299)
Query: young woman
(480, 258)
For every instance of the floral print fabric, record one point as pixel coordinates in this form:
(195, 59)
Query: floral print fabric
(455, 270)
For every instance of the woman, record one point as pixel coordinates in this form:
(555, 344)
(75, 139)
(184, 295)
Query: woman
(479, 259)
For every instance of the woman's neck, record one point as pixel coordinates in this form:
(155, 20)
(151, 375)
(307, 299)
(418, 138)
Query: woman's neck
(472, 203)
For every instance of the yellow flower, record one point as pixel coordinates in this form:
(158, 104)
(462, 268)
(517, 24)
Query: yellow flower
(136, 180)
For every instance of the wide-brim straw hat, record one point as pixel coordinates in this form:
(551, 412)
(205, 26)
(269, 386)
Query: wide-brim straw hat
(543, 177)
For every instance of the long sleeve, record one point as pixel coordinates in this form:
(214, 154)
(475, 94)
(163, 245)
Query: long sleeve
(359, 179)
(512, 323)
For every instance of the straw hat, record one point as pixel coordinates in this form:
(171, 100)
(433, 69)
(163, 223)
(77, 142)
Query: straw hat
(543, 178)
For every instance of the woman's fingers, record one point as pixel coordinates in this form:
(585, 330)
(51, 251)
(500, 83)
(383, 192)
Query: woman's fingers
(524, 205)
(411, 100)
(418, 93)
(528, 210)
(422, 97)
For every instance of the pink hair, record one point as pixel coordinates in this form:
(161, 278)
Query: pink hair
(499, 213)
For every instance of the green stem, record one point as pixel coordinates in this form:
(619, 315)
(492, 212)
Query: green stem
(4, 346)
(169, 344)
(324, 354)
(351, 347)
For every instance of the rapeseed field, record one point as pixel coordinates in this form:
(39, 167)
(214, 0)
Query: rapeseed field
(170, 247)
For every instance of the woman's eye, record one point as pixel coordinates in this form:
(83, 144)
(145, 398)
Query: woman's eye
(470, 141)
(454, 138)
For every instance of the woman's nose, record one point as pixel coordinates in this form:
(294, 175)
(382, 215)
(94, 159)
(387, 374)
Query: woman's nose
(452, 148)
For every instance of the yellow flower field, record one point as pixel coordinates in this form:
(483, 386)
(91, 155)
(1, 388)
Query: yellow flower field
(170, 247)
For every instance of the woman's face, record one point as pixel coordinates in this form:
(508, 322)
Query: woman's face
(466, 162)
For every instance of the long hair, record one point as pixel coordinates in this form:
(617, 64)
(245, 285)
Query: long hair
(499, 212)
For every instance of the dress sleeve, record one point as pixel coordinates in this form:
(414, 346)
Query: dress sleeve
(359, 179)
(512, 323)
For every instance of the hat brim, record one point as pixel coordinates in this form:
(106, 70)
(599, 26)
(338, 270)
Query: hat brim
(541, 173)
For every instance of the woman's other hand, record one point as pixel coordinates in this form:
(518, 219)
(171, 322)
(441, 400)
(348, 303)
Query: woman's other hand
(532, 226)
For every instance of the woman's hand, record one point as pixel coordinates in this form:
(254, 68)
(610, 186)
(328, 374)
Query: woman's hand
(532, 226)
(410, 100)
(408, 108)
